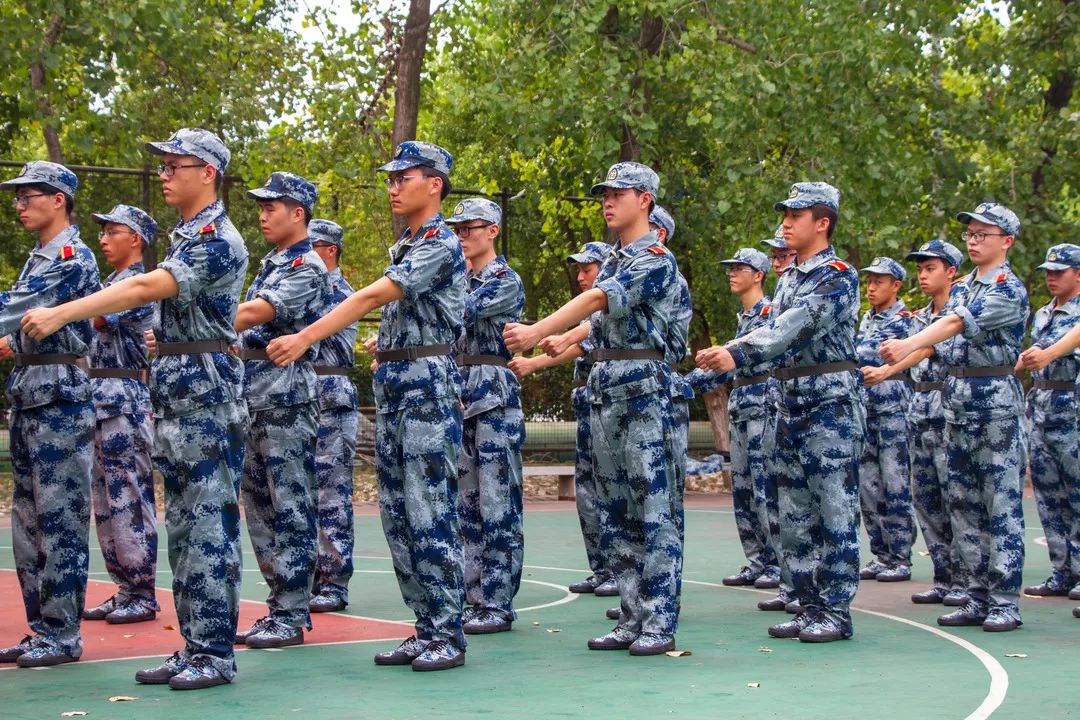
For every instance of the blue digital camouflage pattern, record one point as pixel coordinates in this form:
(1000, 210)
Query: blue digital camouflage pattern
(629, 175)
(886, 266)
(985, 437)
(993, 213)
(414, 153)
(635, 441)
(335, 452)
(476, 209)
(748, 256)
(813, 321)
(51, 431)
(884, 468)
(43, 172)
(777, 241)
(1054, 440)
(200, 427)
(661, 218)
(196, 142)
(938, 249)
(1061, 257)
(591, 252)
(287, 186)
(132, 217)
(490, 490)
(585, 490)
(326, 231)
(123, 482)
(418, 429)
(806, 194)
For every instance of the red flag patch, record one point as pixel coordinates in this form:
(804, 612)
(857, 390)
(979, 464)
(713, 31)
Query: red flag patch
(657, 250)
(839, 265)
(430, 233)
(298, 261)
(207, 229)
(67, 252)
(766, 310)
(1001, 278)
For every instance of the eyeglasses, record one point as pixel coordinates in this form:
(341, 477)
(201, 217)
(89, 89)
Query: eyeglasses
(169, 169)
(977, 237)
(732, 269)
(399, 181)
(463, 230)
(779, 257)
(106, 234)
(323, 245)
(24, 200)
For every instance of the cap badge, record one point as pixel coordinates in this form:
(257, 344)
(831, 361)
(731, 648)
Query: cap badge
(984, 207)
(1052, 256)
(613, 173)
(794, 192)
(459, 209)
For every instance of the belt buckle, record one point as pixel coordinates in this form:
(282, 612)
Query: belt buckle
(411, 353)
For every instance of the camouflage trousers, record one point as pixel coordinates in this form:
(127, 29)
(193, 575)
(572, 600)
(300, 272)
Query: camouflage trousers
(816, 465)
(279, 505)
(490, 508)
(635, 461)
(585, 487)
(124, 510)
(51, 454)
(680, 415)
(1055, 477)
(335, 456)
(885, 489)
(986, 464)
(930, 488)
(201, 456)
(748, 493)
(770, 500)
(416, 455)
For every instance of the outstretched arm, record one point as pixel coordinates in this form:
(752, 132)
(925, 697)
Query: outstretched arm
(893, 351)
(520, 337)
(1036, 358)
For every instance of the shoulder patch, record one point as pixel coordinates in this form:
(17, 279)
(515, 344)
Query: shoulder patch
(430, 233)
(297, 262)
(500, 273)
(839, 265)
(1001, 278)
(904, 313)
(207, 229)
(67, 252)
(766, 310)
(657, 250)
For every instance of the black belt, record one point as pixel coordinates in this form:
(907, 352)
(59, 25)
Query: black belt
(197, 347)
(464, 360)
(744, 381)
(253, 354)
(28, 359)
(929, 386)
(808, 370)
(959, 371)
(411, 353)
(331, 370)
(1054, 385)
(579, 383)
(108, 373)
(625, 354)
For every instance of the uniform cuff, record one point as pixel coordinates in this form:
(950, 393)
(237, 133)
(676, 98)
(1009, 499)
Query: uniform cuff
(617, 298)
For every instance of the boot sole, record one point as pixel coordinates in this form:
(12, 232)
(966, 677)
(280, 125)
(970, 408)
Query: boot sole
(487, 630)
(823, 638)
(255, 644)
(433, 667)
(46, 662)
(145, 680)
(198, 684)
(129, 621)
(652, 651)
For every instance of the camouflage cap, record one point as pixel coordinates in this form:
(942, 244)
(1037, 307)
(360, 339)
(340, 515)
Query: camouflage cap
(886, 266)
(413, 153)
(132, 217)
(749, 256)
(661, 218)
(808, 194)
(1062, 257)
(591, 252)
(327, 232)
(992, 213)
(937, 249)
(196, 142)
(43, 172)
(630, 175)
(476, 209)
(286, 185)
(777, 240)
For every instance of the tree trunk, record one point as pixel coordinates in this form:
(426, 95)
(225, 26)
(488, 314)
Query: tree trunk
(410, 62)
(37, 84)
(649, 40)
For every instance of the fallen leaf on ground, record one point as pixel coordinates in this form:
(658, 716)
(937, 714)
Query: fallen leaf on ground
(554, 630)
(1016, 655)
(122, 698)
(764, 649)
(170, 627)
(753, 685)
(129, 636)
(73, 713)
(678, 653)
(923, 553)
(536, 623)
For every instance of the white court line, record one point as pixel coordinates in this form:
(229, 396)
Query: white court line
(1041, 541)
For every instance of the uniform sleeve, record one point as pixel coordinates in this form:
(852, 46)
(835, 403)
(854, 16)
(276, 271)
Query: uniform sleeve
(500, 297)
(679, 330)
(1003, 304)
(704, 381)
(427, 267)
(645, 279)
(55, 286)
(827, 305)
(200, 264)
(294, 291)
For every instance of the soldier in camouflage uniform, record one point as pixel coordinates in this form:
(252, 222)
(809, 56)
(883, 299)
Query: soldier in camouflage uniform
(290, 291)
(51, 421)
(885, 469)
(811, 340)
(984, 326)
(335, 449)
(418, 398)
(490, 491)
(938, 262)
(746, 422)
(1052, 414)
(634, 435)
(195, 388)
(123, 480)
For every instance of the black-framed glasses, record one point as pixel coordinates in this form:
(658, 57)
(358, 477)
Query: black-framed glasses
(106, 234)
(24, 200)
(732, 269)
(463, 230)
(399, 181)
(323, 245)
(169, 169)
(978, 237)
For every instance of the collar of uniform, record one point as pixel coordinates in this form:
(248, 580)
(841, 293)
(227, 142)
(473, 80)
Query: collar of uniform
(280, 257)
(334, 275)
(1070, 308)
(52, 248)
(889, 311)
(987, 278)
(648, 239)
(407, 236)
(204, 217)
(493, 268)
(757, 308)
(135, 268)
(817, 261)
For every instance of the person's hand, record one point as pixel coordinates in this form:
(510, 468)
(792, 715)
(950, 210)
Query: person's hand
(893, 351)
(519, 338)
(715, 358)
(42, 322)
(5, 349)
(151, 341)
(1034, 358)
(287, 349)
(521, 366)
(874, 375)
(556, 345)
(371, 344)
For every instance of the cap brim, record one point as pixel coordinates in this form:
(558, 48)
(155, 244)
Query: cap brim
(404, 164)
(454, 220)
(1053, 266)
(927, 256)
(966, 218)
(793, 204)
(598, 188)
(778, 244)
(261, 193)
(879, 270)
(581, 259)
(103, 218)
(20, 181)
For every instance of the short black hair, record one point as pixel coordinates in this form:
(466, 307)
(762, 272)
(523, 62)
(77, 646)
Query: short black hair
(69, 201)
(219, 178)
(292, 205)
(432, 172)
(824, 211)
(652, 201)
